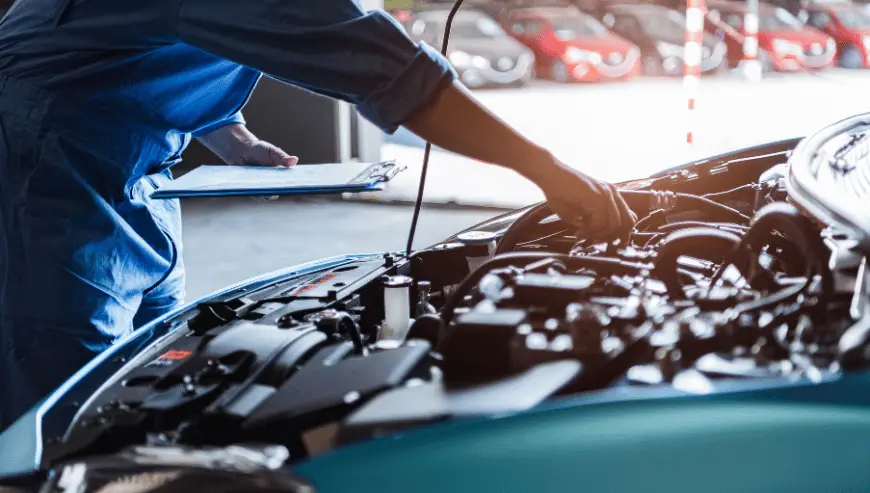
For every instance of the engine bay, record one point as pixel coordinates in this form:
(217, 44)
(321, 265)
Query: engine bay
(725, 280)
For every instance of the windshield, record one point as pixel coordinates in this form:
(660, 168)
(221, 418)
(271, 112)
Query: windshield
(855, 18)
(663, 23)
(478, 28)
(577, 26)
(777, 20)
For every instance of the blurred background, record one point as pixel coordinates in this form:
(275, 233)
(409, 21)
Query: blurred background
(603, 83)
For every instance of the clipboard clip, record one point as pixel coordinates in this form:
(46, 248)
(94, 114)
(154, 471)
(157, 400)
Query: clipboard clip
(386, 171)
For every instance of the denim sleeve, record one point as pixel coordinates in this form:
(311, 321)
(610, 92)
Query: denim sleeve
(236, 118)
(331, 47)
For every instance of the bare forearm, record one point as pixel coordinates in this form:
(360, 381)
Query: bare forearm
(455, 121)
(228, 142)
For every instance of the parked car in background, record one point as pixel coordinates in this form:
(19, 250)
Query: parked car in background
(660, 34)
(572, 46)
(785, 43)
(732, 38)
(480, 50)
(849, 25)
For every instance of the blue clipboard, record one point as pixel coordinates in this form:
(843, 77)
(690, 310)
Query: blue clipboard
(302, 179)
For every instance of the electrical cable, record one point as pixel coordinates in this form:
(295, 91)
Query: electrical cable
(534, 214)
(725, 193)
(550, 236)
(418, 204)
(702, 224)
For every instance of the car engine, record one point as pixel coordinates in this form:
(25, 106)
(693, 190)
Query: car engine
(727, 279)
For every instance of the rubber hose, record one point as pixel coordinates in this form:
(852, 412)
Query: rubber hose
(702, 224)
(636, 195)
(787, 220)
(697, 242)
(511, 237)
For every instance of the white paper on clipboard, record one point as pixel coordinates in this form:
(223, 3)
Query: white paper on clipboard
(262, 180)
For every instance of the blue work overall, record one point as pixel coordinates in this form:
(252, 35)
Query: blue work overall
(98, 99)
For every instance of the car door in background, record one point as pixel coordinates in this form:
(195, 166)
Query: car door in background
(531, 32)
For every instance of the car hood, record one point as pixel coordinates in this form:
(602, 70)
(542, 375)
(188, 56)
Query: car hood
(488, 47)
(231, 387)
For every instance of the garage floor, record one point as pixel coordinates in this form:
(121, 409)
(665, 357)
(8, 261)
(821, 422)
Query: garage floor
(229, 240)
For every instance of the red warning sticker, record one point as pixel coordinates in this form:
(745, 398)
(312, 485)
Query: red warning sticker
(176, 354)
(170, 357)
(313, 284)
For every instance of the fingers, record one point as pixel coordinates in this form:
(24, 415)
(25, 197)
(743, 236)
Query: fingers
(280, 158)
(610, 219)
(626, 216)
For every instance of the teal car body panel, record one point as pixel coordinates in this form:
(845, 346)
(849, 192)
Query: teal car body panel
(806, 437)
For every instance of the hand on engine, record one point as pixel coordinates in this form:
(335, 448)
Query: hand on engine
(592, 205)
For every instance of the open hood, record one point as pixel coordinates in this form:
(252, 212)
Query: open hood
(733, 321)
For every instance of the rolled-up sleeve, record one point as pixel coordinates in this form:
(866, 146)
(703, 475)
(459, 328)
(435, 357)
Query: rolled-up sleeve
(331, 47)
(236, 118)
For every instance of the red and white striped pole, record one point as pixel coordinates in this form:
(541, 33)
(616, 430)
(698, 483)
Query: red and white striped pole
(750, 64)
(692, 58)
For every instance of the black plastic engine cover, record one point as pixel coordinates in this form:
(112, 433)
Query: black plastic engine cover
(334, 380)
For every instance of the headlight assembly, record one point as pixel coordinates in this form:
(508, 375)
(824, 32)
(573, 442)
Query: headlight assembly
(576, 55)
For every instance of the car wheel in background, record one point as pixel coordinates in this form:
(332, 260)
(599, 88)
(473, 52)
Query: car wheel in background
(652, 66)
(560, 72)
(850, 57)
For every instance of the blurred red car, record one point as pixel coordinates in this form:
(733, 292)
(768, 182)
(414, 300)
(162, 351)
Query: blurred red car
(784, 43)
(732, 38)
(572, 46)
(849, 25)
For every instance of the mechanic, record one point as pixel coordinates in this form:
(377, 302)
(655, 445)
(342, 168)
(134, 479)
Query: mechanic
(98, 99)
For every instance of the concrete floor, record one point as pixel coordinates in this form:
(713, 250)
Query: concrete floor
(229, 240)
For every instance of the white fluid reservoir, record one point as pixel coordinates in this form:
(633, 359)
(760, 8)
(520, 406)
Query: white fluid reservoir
(480, 245)
(397, 308)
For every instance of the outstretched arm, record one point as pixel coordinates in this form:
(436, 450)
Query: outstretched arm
(456, 121)
(334, 48)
